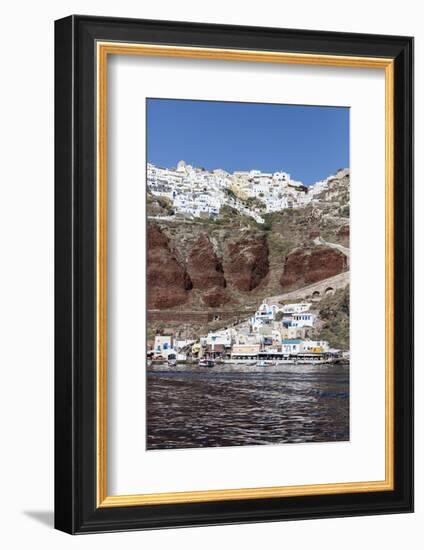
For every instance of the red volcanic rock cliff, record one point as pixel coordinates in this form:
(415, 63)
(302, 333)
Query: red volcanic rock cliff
(207, 273)
(204, 266)
(246, 263)
(307, 266)
(185, 268)
(168, 282)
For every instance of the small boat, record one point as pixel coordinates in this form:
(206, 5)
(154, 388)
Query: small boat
(266, 363)
(208, 363)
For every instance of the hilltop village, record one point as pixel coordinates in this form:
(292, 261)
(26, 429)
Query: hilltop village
(195, 192)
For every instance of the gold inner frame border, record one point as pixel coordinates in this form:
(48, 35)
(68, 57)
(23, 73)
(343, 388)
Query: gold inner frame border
(103, 50)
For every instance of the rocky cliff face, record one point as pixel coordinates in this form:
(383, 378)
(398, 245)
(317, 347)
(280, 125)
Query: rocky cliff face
(233, 263)
(247, 262)
(205, 267)
(206, 272)
(168, 282)
(305, 266)
(216, 270)
(188, 266)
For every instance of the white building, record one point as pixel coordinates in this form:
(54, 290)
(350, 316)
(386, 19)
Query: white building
(300, 307)
(315, 345)
(246, 338)
(164, 345)
(305, 319)
(264, 315)
(292, 346)
(221, 337)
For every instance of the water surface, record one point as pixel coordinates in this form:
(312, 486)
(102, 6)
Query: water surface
(214, 408)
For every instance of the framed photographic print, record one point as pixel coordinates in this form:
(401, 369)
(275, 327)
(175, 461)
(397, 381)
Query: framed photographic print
(234, 274)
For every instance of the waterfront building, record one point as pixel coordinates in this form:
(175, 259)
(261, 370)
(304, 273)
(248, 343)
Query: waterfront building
(196, 349)
(316, 346)
(292, 346)
(222, 337)
(245, 351)
(163, 343)
(215, 351)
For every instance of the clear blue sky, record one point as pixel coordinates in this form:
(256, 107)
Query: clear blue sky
(310, 143)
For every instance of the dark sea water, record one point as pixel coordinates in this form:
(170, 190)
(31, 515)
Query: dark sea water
(216, 409)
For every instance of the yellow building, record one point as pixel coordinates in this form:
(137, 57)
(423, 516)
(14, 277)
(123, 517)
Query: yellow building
(195, 348)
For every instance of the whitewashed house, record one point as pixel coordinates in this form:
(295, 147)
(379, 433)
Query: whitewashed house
(292, 346)
(305, 319)
(299, 307)
(264, 315)
(164, 346)
(316, 346)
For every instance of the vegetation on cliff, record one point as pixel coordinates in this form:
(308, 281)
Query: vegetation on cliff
(334, 319)
(328, 218)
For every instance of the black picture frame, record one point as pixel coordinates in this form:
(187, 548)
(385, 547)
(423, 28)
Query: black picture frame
(76, 510)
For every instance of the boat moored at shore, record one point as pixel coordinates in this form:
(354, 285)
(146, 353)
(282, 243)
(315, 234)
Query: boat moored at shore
(207, 363)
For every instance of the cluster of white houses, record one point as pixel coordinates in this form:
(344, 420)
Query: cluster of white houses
(275, 332)
(195, 192)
